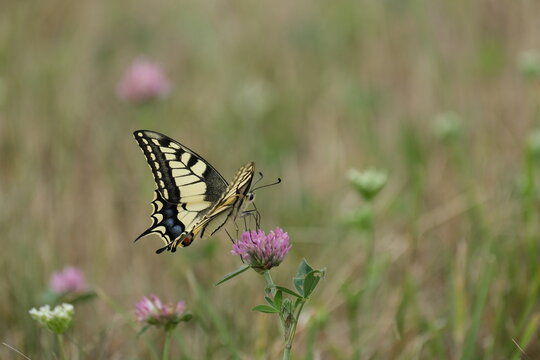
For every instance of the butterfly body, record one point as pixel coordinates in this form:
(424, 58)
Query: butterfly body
(192, 199)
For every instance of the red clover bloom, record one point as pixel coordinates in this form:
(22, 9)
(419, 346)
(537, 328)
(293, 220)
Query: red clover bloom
(68, 280)
(151, 311)
(260, 251)
(143, 81)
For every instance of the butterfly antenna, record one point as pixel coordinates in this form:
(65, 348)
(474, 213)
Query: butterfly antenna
(259, 179)
(272, 184)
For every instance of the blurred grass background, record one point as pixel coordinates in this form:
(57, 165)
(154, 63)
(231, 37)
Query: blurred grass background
(307, 89)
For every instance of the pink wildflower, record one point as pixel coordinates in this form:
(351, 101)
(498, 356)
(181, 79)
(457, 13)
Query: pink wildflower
(143, 81)
(261, 251)
(68, 280)
(152, 311)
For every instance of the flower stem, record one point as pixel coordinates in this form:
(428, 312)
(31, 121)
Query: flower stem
(287, 353)
(290, 337)
(271, 285)
(61, 346)
(166, 345)
(269, 282)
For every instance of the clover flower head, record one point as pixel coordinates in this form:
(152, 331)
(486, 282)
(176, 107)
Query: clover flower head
(143, 81)
(68, 280)
(56, 320)
(152, 311)
(260, 251)
(369, 182)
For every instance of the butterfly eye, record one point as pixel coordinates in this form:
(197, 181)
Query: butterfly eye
(251, 196)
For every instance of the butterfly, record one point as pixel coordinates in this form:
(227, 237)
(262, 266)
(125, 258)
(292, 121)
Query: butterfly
(192, 199)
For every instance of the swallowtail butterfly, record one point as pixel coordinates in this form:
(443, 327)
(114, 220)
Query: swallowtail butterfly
(192, 199)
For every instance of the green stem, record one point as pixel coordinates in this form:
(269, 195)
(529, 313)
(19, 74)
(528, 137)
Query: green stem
(167, 344)
(475, 214)
(290, 338)
(370, 261)
(310, 343)
(354, 335)
(269, 282)
(529, 206)
(61, 346)
(271, 285)
(128, 318)
(287, 353)
(208, 308)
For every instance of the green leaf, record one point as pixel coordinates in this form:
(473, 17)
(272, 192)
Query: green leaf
(278, 298)
(269, 301)
(79, 297)
(311, 280)
(230, 275)
(301, 272)
(186, 317)
(303, 269)
(286, 306)
(265, 309)
(145, 327)
(299, 285)
(288, 291)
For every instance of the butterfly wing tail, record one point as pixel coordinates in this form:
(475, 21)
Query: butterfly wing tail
(165, 222)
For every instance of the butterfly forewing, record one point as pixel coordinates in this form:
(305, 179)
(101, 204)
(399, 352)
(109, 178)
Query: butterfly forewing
(180, 174)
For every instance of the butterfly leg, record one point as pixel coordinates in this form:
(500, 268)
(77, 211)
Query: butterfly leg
(257, 216)
(254, 213)
(230, 237)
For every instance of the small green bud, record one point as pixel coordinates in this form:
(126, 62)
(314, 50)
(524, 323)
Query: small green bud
(368, 183)
(529, 64)
(533, 144)
(448, 126)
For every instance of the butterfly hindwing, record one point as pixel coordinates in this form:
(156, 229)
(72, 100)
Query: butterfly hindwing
(165, 222)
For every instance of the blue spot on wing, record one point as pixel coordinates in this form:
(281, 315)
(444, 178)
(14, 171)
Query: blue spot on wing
(169, 213)
(168, 222)
(176, 230)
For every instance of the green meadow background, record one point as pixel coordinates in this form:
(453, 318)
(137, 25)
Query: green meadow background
(307, 89)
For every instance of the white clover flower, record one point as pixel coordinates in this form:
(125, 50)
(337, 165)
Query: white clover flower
(57, 320)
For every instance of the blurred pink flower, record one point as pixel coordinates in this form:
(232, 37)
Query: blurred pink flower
(261, 251)
(143, 81)
(152, 311)
(70, 279)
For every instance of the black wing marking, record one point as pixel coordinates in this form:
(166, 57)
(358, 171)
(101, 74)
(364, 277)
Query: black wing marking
(180, 174)
(165, 221)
